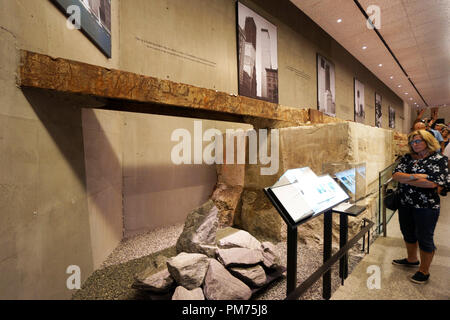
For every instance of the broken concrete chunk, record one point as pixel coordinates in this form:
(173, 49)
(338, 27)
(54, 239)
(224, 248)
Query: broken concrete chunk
(270, 257)
(158, 282)
(199, 232)
(181, 293)
(221, 285)
(239, 256)
(240, 239)
(188, 269)
(253, 276)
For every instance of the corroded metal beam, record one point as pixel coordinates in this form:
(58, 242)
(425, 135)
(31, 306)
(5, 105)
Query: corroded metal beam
(126, 91)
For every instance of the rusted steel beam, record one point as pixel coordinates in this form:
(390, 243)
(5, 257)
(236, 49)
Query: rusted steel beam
(128, 91)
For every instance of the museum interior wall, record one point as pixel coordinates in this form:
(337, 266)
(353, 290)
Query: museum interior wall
(48, 211)
(74, 181)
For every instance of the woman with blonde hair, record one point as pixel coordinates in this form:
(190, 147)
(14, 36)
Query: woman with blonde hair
(421, 174)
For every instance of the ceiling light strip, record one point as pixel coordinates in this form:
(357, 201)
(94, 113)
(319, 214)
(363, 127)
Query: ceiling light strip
(387, 47)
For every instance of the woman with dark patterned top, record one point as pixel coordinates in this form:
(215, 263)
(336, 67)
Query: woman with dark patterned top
(421, 174)
(445, 135)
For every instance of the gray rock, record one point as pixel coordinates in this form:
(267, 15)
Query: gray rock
(158, 282)
(239, 256)
(181, 293)
(220, 284)
(199, 232)
(206, 249)
(270, 257)
(253, 276)
(188, 269)
(240, 239)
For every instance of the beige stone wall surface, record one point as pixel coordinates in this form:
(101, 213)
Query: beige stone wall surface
(314, 146)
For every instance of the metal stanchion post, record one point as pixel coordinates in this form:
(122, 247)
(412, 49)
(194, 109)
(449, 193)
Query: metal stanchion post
(343, 238)
(291, 276)
(327, 241)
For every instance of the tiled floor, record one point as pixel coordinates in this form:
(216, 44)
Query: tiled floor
(394, 283)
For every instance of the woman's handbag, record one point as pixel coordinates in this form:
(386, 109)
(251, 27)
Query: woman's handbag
(392, 199)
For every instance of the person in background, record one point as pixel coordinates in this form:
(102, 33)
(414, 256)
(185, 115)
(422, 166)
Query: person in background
(444, 132)
(439, 127)
(422, 174)
(447, 151)
(428, 122)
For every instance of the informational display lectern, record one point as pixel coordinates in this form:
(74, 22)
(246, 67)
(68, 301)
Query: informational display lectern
(350, 176)
(299, 196)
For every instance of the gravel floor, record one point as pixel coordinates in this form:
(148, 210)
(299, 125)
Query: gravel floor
(309, 259)
(114, 278)
(144, 244)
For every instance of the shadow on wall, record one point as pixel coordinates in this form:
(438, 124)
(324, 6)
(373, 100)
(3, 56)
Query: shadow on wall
(119, 198)
(62, 216)
(162, 195)
(62, 119)
(93, 156)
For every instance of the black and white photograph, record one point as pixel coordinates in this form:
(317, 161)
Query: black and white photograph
(101, 10)
(391, 117)
(378, 113)
(95, 20)
(258, 61)
(360, 113)
(326, 86)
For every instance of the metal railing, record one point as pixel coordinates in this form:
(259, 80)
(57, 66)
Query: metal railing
(324, 270)
(385, 179)
(383, 210)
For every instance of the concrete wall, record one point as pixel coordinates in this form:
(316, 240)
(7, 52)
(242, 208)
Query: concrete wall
(50, 217)
(407, 115)
(103, 137)
(156, 191)
(65, 170)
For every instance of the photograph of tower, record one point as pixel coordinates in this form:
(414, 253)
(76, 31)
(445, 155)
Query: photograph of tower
(360, 113)
(378, 113)
(95, 20)
(101, 10)
(257, 54)
(325, 86)
(391, 117)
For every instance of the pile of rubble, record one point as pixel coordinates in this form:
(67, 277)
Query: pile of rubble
(230, 268)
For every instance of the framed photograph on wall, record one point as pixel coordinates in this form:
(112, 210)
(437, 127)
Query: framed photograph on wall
(94, 18)
(326, 92)
(257, 55)
(360, 114)
(378, 113)
(391, 117)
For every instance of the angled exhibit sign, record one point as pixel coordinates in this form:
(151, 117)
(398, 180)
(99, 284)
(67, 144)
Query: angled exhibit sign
(300, 194)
